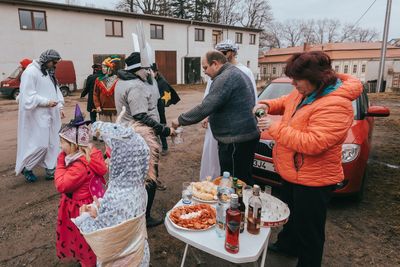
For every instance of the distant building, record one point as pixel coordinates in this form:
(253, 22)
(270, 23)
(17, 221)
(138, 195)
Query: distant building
(87, 35)
(358, 59)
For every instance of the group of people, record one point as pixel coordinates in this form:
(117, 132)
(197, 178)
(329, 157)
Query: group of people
(307, 153)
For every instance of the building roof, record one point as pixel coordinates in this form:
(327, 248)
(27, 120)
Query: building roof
(335, 50)
(124, 14)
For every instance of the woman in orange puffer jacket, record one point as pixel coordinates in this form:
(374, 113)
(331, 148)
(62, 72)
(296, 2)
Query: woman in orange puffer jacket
(307, 152)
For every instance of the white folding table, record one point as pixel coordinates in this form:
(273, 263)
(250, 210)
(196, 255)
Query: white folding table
(250, 246)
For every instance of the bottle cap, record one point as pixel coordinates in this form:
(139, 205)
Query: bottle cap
(226, 174)
(260, 112)
(256, 190)
(234, 200)
(234, 179)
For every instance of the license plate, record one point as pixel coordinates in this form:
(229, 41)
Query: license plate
(264, 165)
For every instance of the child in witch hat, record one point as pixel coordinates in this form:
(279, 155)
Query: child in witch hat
(78, 165)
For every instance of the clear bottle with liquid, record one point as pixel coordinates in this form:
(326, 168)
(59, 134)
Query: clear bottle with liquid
(254, 213)
(221, 208)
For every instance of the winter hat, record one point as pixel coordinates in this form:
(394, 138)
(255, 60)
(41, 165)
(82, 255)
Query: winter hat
(227, 45)
(49, 55)
(111, 61)
(77, 131)
(133, 62)
(25, 62)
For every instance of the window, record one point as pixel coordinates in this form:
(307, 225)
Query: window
(199, 35)
(264, 70)
(239, 37)
(156, 31)
(217, 37)
(346, 68)
(32, 20)
(113, 28)
(273, 70)
(363, 68)
(252, 39)
(337, 68)
(354, 68)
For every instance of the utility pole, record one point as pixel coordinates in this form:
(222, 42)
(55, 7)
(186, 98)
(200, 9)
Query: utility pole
(384, 45)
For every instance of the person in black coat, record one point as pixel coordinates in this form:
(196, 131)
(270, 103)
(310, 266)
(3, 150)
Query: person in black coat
(168, 96)
(88, 90)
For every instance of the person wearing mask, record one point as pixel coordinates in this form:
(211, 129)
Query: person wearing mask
(137, 91)
(316, 117)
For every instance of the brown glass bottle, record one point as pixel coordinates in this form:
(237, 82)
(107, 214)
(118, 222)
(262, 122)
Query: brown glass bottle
(254, 214)
(232, 226)
(242, 207)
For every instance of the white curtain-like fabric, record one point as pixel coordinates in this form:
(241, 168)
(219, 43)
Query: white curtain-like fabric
(209, 160)
(38, 125)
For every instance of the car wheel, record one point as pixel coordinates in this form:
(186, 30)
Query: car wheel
(358, 197)
(15, 94)
(64, 90)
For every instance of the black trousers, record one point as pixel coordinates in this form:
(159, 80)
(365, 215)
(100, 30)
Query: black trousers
(304, 234)
(237, 158)
(163, 120)
(151, 187)
(93, 116)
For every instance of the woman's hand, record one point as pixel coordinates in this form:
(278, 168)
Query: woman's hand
(260, 106)
(264, 123)
(98, 109)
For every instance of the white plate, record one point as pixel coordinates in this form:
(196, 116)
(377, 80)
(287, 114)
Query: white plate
(204, 201)
(187, 229)
(274, 211)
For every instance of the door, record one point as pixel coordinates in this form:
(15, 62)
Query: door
(166, 63)
(192, 70)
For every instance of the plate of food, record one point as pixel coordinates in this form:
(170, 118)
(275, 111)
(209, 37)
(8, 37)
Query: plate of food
(198, 217)
(204, 191)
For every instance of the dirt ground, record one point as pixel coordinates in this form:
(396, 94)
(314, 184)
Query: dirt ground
(358, 234)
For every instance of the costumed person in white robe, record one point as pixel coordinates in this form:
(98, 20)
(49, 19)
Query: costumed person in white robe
(39, 117)
(209, 160)
(115, 226)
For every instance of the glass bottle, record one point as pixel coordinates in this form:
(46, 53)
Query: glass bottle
(254, 214)
(221, 210)
(242, 207)
(232, 226)
(234, 184)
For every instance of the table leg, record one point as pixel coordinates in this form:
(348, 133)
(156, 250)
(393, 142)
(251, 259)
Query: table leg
(264, 255)
(184, 255)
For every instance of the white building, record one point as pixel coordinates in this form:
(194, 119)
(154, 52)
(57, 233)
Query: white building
(358, 59)
(87, 35)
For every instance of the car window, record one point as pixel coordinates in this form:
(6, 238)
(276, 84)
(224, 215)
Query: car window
(15, 73)
(275, 90)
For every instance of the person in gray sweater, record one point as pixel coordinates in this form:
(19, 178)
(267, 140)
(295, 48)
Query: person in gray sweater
(229, 107)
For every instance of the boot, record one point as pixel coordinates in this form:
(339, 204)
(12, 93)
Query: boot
(29, 176)
(50, 174)
(152, 222)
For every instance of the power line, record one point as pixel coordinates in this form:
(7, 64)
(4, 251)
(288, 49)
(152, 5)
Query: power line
(355, 24)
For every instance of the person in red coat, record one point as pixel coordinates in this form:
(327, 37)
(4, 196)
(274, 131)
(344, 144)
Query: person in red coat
(78, 166)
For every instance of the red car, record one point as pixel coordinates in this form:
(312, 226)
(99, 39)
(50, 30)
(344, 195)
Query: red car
(355, 150)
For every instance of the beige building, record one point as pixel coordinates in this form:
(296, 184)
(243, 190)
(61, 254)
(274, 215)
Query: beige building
(358, 59)
(85, 35)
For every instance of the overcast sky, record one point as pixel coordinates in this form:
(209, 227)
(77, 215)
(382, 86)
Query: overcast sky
(347, 11)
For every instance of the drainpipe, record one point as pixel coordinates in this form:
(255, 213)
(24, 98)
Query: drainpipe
(187, 53)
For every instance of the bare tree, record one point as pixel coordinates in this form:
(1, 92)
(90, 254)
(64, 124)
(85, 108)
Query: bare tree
(271, 37)
(142, 6)
(350, 33)
(292, 31)
(257, 13)
(308, 31)
(228, 10)
(333, 27)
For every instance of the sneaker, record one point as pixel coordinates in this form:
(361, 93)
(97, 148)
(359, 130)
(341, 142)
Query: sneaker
(50, 174)
(152, 222)
(277, 249)
(29, 176)
(160, 185)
